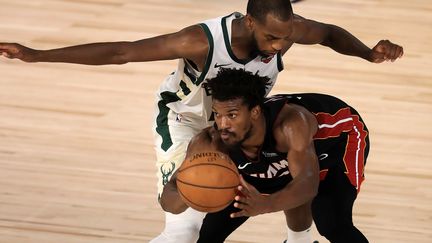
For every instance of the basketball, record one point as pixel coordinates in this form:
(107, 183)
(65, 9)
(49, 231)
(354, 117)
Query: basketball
(208, 181)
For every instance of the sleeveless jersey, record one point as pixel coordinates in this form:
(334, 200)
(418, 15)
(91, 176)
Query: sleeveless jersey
(341, 133)
(182, 92)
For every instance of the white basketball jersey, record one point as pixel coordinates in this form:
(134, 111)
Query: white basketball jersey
(182, 92)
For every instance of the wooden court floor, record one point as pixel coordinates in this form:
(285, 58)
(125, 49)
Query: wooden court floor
(76, 154)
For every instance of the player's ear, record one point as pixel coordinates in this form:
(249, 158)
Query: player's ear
(249, 22)
(256, 112)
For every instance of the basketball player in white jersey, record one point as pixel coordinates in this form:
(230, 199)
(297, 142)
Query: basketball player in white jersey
(254, 42)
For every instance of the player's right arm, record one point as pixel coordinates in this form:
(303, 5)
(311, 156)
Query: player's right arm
(190, 42)
(170, 199)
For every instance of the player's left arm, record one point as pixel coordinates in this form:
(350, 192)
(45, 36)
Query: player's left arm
(303, 165)
(294, 134)
(313, 32)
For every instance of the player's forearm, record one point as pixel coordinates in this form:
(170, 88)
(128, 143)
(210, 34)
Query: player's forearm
(89, 54)
(345, 43)
(296, 193)
(170, 200)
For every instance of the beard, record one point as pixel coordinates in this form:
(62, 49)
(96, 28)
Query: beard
(235, 145)
(256, 50)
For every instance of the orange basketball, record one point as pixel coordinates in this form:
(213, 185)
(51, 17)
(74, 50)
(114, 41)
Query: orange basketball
(207, 181)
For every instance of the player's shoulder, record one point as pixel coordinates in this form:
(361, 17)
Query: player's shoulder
(294, 123)
(190, 43)
(204, 136)
(292, 114)
(193, 35)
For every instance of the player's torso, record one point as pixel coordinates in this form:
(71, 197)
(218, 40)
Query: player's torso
(270, 172)
(334, 118)
(184, 89)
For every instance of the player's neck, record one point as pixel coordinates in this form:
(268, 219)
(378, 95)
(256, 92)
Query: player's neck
(252, 146)
(242, 42)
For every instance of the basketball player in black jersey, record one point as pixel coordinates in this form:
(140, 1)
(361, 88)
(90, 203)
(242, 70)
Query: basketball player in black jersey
(269, 29)
(303, 154)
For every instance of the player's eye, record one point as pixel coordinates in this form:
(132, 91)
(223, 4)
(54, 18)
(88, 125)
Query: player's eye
(232, 116)
(270, 38)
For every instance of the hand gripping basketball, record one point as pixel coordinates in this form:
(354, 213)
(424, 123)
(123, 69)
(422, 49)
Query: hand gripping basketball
(207, 181)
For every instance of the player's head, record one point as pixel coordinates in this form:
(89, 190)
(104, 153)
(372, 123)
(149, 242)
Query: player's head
(237, 96)
(271, 22)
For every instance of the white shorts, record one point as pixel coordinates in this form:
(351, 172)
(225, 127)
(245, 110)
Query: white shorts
(172, 133)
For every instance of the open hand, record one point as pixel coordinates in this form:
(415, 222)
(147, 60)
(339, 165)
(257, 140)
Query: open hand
(250, 201)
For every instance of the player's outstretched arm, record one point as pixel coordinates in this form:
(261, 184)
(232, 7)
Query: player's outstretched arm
(342, 41)
(188, 43)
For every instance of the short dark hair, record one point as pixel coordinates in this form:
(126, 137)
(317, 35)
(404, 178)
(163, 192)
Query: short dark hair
(259, 9)
(231, 84)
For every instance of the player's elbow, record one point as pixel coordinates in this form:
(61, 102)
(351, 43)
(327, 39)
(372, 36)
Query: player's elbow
(168, 207)
(330, 35)
(172, 206)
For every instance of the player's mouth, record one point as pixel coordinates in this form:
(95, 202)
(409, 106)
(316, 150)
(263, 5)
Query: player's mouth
(269, 53)
(225, 135)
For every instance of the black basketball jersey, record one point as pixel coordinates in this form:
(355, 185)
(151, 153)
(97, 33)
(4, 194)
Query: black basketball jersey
(339, 141)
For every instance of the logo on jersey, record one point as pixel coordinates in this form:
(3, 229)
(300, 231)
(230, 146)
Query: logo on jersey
(179, 118)
(221, 65)
(167, 173)
(323, 156)
(274, 170)
(241, 167)
(269, 155)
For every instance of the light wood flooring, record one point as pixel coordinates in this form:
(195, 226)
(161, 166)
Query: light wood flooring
(76, 150)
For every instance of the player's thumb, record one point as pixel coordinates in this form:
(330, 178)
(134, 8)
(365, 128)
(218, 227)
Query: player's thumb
(378, 57)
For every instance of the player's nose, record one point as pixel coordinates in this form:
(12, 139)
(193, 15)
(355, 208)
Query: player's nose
(224, 123)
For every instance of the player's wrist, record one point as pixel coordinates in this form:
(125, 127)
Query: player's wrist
(368, 55)
(272, 203)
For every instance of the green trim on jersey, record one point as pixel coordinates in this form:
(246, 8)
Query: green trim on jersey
(162, 119)
(228, 44)
(209, 55)
(279, 62)
(184, 88)
(192, 77)
(162, 127)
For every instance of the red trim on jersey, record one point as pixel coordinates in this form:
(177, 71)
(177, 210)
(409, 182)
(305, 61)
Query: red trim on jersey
(354, 153)
(323, 174)
(333, 125)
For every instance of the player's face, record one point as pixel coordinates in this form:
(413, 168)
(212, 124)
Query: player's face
(272, 36)
(233, 119)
